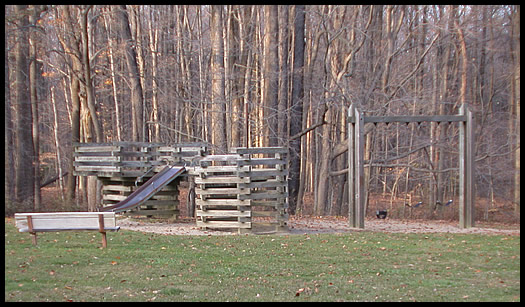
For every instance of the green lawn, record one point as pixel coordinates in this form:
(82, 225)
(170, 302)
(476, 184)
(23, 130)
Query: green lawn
(361, 266)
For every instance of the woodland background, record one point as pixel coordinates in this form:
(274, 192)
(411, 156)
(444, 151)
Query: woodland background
(238, 75)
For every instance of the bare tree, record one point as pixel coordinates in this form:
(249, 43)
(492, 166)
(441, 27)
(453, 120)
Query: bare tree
(24, 140)
(134, 75)
(296, 115)
(218, 99)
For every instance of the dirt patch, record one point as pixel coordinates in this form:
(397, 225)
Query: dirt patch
(313, 225)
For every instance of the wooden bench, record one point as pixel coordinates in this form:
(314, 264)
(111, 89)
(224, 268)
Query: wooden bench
(66, 221)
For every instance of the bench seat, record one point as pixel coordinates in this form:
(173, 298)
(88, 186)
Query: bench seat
(66, 221)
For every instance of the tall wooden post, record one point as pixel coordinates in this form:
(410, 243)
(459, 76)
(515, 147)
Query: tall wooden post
(351, 168)
(356, 207)
(360, 169)
(466, 169)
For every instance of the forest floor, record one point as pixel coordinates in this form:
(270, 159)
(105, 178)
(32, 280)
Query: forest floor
(313, 225)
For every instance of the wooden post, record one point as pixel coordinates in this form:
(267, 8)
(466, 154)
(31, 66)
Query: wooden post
(466, 169)
(351, 168)
(359, 169)
(30, 226)
(469, 138)
(102, 230)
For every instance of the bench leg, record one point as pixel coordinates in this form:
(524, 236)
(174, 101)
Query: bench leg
(101, 230)
(104, 240)
(33, 238)
(30, 226)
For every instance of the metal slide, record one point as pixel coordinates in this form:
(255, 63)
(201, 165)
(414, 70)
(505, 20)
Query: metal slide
(147, 190)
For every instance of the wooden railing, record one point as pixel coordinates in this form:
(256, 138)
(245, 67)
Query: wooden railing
(131, 159)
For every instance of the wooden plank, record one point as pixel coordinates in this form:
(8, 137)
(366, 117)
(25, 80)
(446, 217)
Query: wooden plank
(97, 168)
(221, 179)
(220, 169)
(97, 158)
(259, 150)
(223, 213)
(101, 148)
(223, 158)
(412, 118)
(262, 161)
(264, 184)
(212, 191)
(116, 188)
(224, 202)
(224, 224)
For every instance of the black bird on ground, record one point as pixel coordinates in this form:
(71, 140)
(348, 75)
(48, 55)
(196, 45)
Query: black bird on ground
(381, 214)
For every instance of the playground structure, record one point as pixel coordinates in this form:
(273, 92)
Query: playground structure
(123, 166)
(245, 190)
(356, 178)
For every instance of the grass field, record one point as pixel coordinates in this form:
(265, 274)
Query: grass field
(361, 266)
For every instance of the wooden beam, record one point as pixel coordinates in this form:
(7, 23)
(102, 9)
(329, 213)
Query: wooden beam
(412, 118)
(466, 169)
(359, 179)
(469, 171)
(351, 168)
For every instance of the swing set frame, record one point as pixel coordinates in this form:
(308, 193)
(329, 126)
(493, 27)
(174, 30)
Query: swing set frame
(356, 178)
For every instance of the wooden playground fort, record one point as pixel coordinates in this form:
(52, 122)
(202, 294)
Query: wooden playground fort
(245, 190)
(123, 166)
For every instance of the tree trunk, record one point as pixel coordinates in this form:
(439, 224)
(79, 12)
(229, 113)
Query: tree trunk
(296, 116)
(270, 74)
(88, 82)
(57, 144)
(75, 130)
(514, 122)
(153, 46)
(9, 160)
(111, 61)
(218, 107)
(33, 77)
(282, 119)
(134, 75)
(24, 146)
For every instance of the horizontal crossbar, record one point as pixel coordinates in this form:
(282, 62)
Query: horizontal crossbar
(412, 119)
